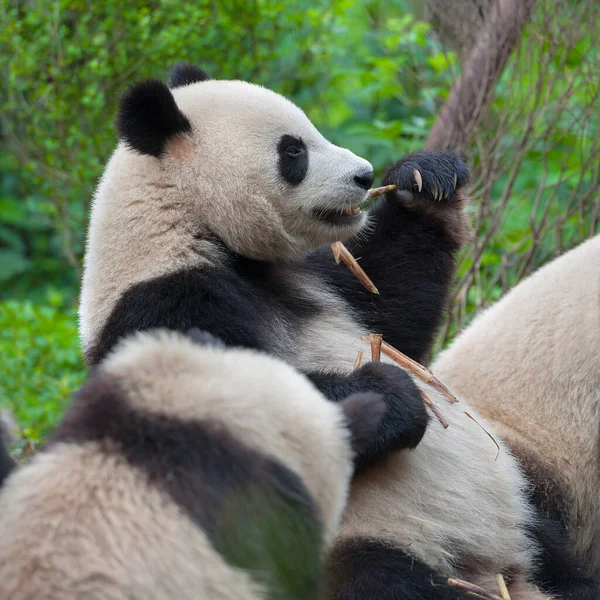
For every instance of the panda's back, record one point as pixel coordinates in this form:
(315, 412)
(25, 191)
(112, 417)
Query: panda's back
(96, 529)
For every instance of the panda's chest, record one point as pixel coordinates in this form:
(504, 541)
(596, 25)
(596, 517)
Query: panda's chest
(305, 321)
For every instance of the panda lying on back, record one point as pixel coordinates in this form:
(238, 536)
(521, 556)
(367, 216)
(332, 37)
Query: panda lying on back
(183, 471)
(211, 213)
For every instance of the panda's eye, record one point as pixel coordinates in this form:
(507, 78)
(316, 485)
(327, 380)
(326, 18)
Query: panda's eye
(293, 159)
(294, 151)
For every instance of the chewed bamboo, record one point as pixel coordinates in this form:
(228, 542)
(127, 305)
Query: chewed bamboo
(475, 590)
(342, 254)
(374, 192)
(358, 359)
(435, 410)
(417, 369)
(376, 340)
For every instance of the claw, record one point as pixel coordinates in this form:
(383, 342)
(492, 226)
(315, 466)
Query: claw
(455, 180)
(434, 192)
(418, 179)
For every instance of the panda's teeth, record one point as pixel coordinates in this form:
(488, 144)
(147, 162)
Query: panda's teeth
(350, 212)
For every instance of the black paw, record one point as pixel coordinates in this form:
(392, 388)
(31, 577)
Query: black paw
(433, 175)
(405, 419)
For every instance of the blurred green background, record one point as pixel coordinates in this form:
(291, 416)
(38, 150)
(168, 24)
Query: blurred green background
(372, 75)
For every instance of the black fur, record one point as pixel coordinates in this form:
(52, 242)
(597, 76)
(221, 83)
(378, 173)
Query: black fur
(239, 311)
(293, 159)
(256, 512)
(437, 169)
(148, 118)
(558, 571)
(363, 569)
(364, 412)
(186, 73)
(405, 419)
(410, 255)
(7, 464)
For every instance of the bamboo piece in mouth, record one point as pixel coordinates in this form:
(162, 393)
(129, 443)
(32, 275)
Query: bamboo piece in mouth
(384, 189)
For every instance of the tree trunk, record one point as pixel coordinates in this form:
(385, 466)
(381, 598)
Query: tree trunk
(472, 91)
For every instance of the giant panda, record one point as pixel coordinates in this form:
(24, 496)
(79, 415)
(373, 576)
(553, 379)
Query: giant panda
(531, 365)
(212, 212)
(183, 470)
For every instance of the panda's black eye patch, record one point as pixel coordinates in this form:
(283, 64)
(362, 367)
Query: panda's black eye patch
(293, 159)
(293, 150)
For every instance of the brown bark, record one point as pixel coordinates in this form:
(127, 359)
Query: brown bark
(481, 71)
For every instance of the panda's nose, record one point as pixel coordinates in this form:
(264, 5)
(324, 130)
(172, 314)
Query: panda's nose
(365, 179)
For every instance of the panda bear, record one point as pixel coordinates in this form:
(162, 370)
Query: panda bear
(184, 470)
(212, 213)
(537, 380)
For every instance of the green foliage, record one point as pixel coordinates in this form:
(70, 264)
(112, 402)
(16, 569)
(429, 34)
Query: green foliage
(41, 362)
(367, 72)
(364, 71)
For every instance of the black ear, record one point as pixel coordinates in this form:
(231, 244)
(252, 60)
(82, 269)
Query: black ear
(364, 412)
(204, 338)
(148, 117)
(186, 73)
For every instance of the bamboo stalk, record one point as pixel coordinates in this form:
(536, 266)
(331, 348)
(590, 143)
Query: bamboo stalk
(373, 193)
(377, 344)
(472, 589)
(417, 369)
(358, 360)
(376, 339)
(434, 409)
(342, 254)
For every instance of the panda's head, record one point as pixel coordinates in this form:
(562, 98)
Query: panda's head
(255, 169)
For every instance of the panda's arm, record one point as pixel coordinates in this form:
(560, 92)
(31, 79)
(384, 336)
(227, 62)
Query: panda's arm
(405, 419)
(211, 301)
(408, 251)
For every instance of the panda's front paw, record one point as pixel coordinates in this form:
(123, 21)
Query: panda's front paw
(405, 419)
(435, 176)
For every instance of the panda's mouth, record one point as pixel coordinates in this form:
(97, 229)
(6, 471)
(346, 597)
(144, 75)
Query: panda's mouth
(338, 217)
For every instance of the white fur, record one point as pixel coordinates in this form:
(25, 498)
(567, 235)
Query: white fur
(225, 179)
(147, 212)
(251, 393)
(77, 522)
(531, 365)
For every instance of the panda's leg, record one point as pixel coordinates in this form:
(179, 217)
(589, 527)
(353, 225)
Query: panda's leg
(559, 572)
(405, 419)
(361, 569)
(408, 251)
